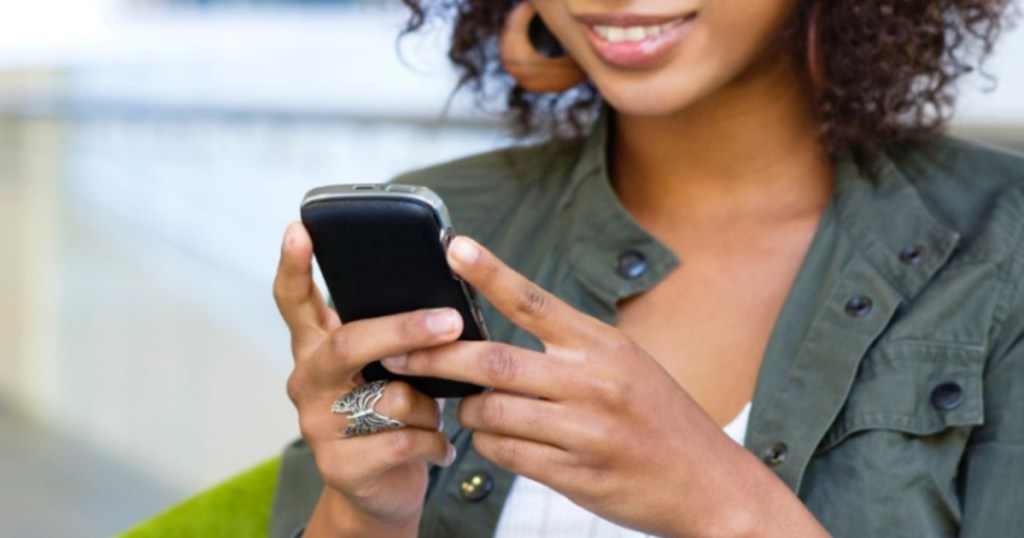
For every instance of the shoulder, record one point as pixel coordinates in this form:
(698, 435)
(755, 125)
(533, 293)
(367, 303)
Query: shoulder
(976, 189)
(482, 190)
(962, 180)
(958, 154)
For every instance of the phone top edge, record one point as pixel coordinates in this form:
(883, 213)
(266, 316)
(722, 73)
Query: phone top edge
(380, 191)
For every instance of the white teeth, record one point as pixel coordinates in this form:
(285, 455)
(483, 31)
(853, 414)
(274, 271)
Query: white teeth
(635, 33)
(618, 34)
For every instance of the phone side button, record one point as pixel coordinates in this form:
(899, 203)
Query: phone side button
(446, 237)
(478, 316)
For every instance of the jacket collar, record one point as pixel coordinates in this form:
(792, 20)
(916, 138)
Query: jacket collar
(890, 225)
(884, 217)
(597, 230)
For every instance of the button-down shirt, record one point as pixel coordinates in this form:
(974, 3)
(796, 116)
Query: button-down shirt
(887, 394)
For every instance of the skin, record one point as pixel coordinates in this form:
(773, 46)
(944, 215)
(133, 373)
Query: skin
(715, 152)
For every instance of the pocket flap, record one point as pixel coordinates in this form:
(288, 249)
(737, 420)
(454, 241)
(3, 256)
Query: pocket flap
(914, 387)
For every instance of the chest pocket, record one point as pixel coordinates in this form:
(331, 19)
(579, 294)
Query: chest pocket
(889, 465)
(913, 387)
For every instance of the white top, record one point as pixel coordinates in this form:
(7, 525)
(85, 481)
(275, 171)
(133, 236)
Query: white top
(534, 510)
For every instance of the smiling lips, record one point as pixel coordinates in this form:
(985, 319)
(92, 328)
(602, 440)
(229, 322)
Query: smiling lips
(634, 42)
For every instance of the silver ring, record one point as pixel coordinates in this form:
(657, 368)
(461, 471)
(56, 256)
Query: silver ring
(358, 404)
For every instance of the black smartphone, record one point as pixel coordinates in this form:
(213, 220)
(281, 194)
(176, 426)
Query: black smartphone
(382, 250)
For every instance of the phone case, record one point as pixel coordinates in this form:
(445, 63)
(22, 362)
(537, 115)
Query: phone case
(381, 249)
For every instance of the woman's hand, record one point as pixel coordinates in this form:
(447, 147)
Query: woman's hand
(374, 484)
(597, 419)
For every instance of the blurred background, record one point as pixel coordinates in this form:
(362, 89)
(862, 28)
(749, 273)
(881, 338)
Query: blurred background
(151, 154)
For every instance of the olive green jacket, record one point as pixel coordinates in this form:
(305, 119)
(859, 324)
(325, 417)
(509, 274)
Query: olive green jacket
(888, 391)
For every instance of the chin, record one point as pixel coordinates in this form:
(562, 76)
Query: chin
(665, 91)
(648, 100)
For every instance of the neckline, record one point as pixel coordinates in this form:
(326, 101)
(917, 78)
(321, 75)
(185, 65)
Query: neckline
(736, 429)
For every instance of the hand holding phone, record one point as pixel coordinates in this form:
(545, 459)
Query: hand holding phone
(381, 249)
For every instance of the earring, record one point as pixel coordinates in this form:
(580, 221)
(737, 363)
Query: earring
(815, 60)
(531, 69)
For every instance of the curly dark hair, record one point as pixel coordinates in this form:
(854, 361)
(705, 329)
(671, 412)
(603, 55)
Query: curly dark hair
(889, 65)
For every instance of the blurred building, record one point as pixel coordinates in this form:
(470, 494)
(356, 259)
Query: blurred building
(151, 154)
(150, 159)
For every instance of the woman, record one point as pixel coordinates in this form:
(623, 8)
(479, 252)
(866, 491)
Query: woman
(762, 215)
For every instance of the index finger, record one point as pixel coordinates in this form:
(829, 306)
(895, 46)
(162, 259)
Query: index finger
(524, 303)
(296, 295)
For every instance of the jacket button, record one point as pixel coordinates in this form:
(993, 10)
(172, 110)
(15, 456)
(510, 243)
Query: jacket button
(775, 454)
(912, 254)
(947, 396)
(631, 264)
(477, 486)
(859, 306)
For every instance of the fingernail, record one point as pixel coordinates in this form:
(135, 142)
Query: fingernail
(442, 321)
(464, 250)
(450, 457)
(395, 362)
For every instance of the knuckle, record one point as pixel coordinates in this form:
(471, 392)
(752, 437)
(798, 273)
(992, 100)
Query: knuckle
(313, 427)
(608, 389)
(598, 485)
(610, 384)
(280, 290)
(399, 401)
(492, 410)
(410, 327)
(533, 301)
(616, 394)
(619, 345)
(601, 453)
(297, 346)
(276, 288)
(401, 444)
(500, 364)
(489, 269)
(507, 453)
(341, 345)
(297, 386)
(293, 387)
(421, 360)
(467, 411)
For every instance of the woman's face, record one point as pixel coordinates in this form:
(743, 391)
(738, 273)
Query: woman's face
(656, 57)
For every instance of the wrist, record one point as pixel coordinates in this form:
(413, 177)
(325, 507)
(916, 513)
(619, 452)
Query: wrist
(747, 499)
(334, 516)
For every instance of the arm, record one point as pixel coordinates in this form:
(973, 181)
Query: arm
(991, 482)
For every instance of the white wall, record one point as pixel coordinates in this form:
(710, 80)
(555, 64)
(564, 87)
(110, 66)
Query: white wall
(158, 165)
(1003, 105)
